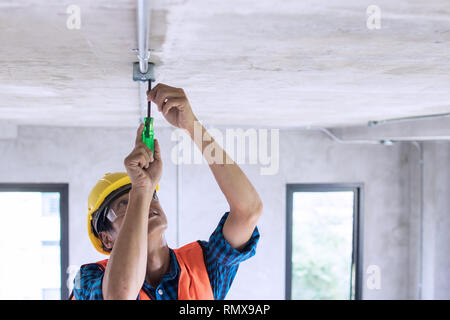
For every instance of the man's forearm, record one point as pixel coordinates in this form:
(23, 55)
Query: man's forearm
(125, 272)
(238, 190)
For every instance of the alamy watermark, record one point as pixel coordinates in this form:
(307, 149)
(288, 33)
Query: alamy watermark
(373, 277)
(243, 146)
(373, 17)
(74, 19)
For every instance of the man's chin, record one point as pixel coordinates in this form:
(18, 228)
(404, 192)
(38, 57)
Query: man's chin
(156, 226)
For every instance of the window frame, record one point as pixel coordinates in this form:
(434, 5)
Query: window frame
(357, 245)
(63, 189)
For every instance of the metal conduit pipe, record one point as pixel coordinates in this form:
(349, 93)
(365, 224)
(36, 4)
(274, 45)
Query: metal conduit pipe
(143, 53)
(421, 173)
(143, 27)
(339, 140)
(419, 147)
(406, 119)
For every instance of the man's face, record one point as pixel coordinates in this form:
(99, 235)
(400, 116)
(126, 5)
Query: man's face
(157, 220)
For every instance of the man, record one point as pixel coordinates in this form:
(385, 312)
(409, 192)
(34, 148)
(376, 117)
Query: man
(127, 221)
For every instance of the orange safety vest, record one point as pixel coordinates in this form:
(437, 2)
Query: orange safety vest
(193, 283)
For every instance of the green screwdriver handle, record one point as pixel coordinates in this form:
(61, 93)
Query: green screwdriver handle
(148, 133)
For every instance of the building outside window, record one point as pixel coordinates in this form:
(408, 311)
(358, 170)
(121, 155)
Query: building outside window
(324, 242)
(33, 241)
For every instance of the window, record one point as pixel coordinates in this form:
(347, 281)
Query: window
(323, 257)
(33, 241)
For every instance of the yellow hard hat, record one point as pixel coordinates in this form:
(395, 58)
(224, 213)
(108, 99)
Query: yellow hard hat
(110, 183)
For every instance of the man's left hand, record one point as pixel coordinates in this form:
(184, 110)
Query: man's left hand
(174, 105)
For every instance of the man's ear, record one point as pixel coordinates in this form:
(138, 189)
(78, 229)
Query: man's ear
(107, 239)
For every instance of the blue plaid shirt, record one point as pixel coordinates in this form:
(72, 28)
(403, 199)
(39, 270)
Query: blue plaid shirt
(221, 260)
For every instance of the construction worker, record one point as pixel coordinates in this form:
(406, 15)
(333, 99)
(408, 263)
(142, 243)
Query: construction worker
(127, 222)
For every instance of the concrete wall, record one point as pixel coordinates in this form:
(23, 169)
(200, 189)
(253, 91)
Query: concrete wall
(79, 156)
(436, 226)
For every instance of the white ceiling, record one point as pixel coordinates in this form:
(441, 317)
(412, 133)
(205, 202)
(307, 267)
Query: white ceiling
(243, 63)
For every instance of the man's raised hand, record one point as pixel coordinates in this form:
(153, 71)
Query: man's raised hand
(174, 105)
(143, 166)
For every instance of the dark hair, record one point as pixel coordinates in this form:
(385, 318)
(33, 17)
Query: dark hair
(104, 225)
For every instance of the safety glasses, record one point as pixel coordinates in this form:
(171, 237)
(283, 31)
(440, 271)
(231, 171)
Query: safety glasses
(106, 212)
(121, 209)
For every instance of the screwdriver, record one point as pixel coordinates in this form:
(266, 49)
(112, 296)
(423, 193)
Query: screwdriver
(148, 133)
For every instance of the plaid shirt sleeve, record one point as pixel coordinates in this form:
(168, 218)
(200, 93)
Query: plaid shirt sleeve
(88, 283)
(222, 261)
